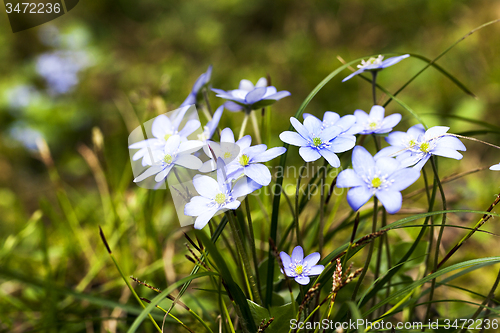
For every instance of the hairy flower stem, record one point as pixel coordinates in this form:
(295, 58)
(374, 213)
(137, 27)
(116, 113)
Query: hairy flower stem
(297, 207)
(322, 209)
(255, 125)
(252, 244)
(244, 125)
(244, 258)
(370, 250)
(374, 86)
(379, 256)
(438, 242)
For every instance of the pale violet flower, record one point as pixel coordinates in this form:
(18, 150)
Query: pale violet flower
(195, 94)
(163, 128)
(300, 268)
(249, 97)
(376, 64)
(216, 195)
(382, 177)
(227, 149)
(346, 123)
(315, 141)
(211, 126)
(417, 145)
(173, 153)
(495, 167)
(60, 69)
(248, 163)
(375, 123)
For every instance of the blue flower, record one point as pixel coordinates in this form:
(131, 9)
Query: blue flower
(163, 128)
(195, 94)
(60, 69)
(250, 97)
(216, 195)
(346, 123)
(315, 141)
(248, 163)
(173, 153)
(301, 268)
(211, 126)
(416, 146)
(382, 177)
(375, 123)
(227, 149)
(376, 64)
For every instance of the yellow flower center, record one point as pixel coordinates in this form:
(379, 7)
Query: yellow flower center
(167, 136)
(425, 147)
(372, 125)
(376, 182)
(244, 159)
(317, 142)
(220, 198)
(167, 159)
(412, 143)
(299, 269)
(227, 155)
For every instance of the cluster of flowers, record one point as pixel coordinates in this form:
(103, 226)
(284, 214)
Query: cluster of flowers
(238, 164)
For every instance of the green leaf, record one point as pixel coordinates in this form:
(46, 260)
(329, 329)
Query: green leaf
(282, 316)
(258, 313)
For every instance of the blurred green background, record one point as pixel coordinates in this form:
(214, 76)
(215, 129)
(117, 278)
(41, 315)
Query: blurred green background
(85, 80)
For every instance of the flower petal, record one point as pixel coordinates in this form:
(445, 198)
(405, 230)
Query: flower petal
(309, 154)
(232, 106)
(197, 206)
(279, 95)
(153, 170)
(161, 126)
(495, 167)
(255, 95)
(203, 219)
(244, 186)
(403, 178)
(163, 174)
(206, 186)
(316, 270)
(391, 200)
(303, 280)
(362, 160)
(341, 144)
(435, 132)
(392, 61)
(387, 165)
(244, 142)
(189, 128)
(258, 173)
(359, 71)
(293, 138)
(270, 154)
(377, 112)
(301, 129)
(226, 135)
(246, 85)
(331, 157)
(358, 196)
(349, 178)
(388, 123)
(297, 254)
(313, 125)
(312, 259)
(189, 162)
